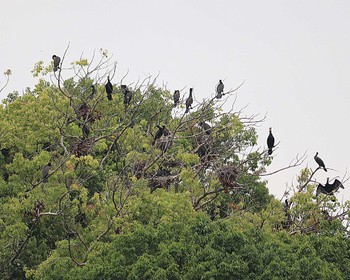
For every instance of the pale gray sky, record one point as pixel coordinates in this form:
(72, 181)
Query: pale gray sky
(293, 55)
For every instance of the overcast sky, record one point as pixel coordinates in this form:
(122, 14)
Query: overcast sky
(293, 55)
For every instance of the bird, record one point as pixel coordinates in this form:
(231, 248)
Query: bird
(109, 89)
(320, 162)
(45, 172)
(176, 97)
(86, 131)
(93, 91)
(166, 131)
(220, 90)
(189, 101)
(206, 127)
(158, 134)
(127, 94)
(270, 141)
(56, 62)
(329, 188)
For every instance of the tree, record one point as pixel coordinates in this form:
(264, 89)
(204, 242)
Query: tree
(115, 206)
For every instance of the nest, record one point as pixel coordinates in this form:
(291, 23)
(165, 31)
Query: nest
(82, 147)
(227, 176)
(164, 143)
(160, 182)
(138, 168)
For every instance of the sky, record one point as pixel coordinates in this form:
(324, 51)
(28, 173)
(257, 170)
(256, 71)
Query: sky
(293, 56)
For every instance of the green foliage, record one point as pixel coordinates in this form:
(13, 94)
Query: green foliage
(119, 204)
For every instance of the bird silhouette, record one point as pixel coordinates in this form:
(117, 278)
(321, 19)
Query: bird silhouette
(86, 131)
(220, 90)
(93, 91)
(56, 62)
(176, 97)
(109, 89)
(329, 188)
(166, 131)
(206, 127)
(127, 94)
(158, 134)
(45, 172)
(320, 162)
(270, 141)
(189, 101)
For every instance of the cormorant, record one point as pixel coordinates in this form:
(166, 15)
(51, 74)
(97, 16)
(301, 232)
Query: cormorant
(158, 134)
(176, 97)
(93, 91)
(189, 101)
(329, 188)
(86, 131)
(206, 127)
(56, 62)
(270, 141)
(109, 89)
(220, 90)
(45, 172)
(320, 162)
(165, 131)
(127, 94)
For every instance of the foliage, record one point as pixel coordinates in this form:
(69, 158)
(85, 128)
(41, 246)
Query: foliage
(117, 203)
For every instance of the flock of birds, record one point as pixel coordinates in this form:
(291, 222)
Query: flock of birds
(163, 131)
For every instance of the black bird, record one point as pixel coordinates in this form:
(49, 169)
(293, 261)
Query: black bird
(127, 94)
(166, 131)
(189, 101)
(220, 90)
(158, 134)
(206, 127)
(329, 188)
(176, 97)
(109, 89)
(86, 131)
(270, 141)
(45, 172)
(320, 162)
(93, 91)
(56, 62)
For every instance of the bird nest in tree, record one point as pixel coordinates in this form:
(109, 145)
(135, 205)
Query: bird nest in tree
(82, 147)
(164, 143)
(138, 168)
(227, 176)
(160, 182)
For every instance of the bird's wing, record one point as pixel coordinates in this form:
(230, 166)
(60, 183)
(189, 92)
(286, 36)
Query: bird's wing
(337, 184)
(320, 189)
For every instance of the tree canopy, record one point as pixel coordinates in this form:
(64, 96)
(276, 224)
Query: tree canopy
(88, 191)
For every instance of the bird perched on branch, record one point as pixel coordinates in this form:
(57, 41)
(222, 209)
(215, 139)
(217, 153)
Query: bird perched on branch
(93, 91)
(176, 97)
(270, 141)
(320, 162)
(329, 188)
(109, 89)
(127, 94)
(45, 172)
(220, 90)
(206, 127)
(189, 101)
(56, 62)
(158, 134)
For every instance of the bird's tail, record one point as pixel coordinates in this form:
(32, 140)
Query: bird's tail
(325, 169)
(45, 180)
(270, 151)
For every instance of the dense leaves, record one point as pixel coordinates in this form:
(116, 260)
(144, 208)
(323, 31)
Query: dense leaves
(117, 203)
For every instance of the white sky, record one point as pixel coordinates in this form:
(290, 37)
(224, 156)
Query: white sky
(293, 55)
